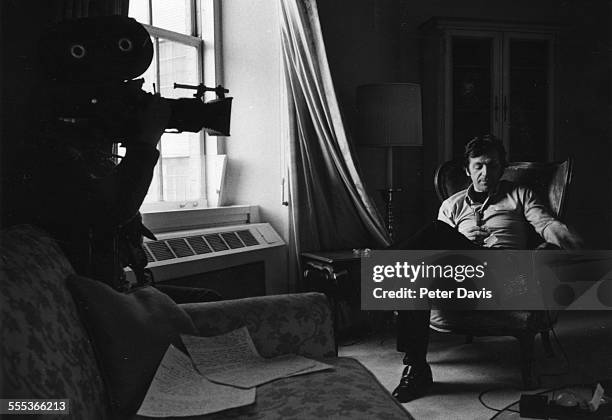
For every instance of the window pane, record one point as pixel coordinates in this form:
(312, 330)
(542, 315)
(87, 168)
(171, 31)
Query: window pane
(177, 63)
(178, 176)
(174, 15)
(181, 155)
(139, 10)
(182, 165)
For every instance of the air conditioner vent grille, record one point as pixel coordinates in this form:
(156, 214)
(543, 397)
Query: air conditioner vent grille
(247, 237)
(216, 242)
(180, 247)
(199, 245)
(148, 254)
(160, 250)
(232, 240)
(196, 245)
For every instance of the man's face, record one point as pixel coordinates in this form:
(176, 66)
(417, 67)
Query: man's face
(485, 171)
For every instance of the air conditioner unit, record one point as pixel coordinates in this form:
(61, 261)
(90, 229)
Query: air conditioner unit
(185, 256)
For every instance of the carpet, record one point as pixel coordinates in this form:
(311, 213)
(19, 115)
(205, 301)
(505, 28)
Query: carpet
(462, 371)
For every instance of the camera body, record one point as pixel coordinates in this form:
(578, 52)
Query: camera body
(91, 65)
(112, 106)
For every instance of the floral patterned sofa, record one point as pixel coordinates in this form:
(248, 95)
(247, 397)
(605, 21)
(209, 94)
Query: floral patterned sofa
(47, 353)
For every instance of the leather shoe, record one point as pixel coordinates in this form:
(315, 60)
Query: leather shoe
(415, 382)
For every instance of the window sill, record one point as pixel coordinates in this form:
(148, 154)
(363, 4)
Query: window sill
(185, 219)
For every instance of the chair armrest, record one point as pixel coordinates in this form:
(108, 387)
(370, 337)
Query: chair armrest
(293, 323)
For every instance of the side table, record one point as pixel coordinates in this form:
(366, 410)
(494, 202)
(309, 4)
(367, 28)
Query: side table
(337, 274)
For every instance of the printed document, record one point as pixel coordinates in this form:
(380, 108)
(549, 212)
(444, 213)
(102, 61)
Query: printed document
(232, 359)
(179, 390)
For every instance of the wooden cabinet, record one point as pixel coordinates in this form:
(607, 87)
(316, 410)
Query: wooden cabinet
(488, 77)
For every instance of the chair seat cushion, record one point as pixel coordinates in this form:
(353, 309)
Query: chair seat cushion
(490, 322)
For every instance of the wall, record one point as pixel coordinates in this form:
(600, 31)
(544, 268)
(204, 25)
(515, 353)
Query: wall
(252, 73)
(378, 41)
(362, 42)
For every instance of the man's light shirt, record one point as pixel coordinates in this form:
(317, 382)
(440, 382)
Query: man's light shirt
(505, 214)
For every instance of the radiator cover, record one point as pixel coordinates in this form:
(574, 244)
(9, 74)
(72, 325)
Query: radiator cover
(187, 253)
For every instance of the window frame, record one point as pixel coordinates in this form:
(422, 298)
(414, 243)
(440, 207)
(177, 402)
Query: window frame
(205, 31)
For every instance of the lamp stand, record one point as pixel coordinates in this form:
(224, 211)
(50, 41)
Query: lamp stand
(387, 194)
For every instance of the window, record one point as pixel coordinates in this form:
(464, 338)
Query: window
(175, 26)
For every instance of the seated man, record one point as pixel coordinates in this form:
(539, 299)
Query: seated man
(490, 213)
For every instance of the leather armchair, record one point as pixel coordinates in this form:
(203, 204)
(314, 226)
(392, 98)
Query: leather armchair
(550, 181)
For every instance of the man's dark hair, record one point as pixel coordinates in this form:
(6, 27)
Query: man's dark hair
(483, 145)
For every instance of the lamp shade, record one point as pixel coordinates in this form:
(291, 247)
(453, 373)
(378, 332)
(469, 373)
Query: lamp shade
(389, 115)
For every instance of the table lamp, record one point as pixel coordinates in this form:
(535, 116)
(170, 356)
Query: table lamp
(389, 117)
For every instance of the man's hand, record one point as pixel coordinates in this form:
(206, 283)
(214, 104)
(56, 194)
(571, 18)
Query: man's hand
(151, 120)
(477, 234)
(563, 236)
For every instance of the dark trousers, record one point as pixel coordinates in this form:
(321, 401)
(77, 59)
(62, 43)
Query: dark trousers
(413, 326)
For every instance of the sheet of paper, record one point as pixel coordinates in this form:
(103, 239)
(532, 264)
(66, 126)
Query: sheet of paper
(179, 390)
(232, 359)
(318, 366)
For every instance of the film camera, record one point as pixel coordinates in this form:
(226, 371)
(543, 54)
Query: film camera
(92, 63)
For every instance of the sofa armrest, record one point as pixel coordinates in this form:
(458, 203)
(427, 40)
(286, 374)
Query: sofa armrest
(280, 324)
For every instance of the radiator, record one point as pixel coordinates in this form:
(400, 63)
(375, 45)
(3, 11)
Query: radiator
(187, 253)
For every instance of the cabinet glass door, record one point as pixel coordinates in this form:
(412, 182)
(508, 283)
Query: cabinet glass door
(526, 101)
(472, 89)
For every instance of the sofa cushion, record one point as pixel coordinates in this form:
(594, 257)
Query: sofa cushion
(349, 391)
(131, 332)
(44, 348)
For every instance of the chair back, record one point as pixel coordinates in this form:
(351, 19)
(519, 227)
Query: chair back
(549, 180)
